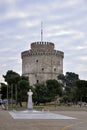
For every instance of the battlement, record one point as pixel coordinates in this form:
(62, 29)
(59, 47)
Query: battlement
(39, 53)
(42, 46)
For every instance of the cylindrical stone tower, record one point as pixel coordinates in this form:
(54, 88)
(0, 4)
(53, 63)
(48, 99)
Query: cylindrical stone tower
(42, 62)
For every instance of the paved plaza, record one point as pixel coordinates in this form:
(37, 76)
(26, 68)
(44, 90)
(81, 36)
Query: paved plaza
(33, 114)
(7, 122)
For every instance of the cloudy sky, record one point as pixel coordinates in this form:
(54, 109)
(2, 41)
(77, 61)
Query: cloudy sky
(64, 23)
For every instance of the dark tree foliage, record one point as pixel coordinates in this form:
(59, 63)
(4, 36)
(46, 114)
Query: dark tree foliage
(17, 83)
(4, 90)
(81, 90)
(54, 88)
(40, 94)
(11, 77)
(68, 82)
(70, 94)
(46, 92)
(23, 88)
(69, 79)
(62, 78)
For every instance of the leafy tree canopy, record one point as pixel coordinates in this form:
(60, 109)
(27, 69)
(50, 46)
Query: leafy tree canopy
(17, 83)
(11, 77)
(69, 79)
(82, 90)
(40, 94)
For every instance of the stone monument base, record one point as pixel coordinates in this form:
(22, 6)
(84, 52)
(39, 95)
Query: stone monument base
(33, 114)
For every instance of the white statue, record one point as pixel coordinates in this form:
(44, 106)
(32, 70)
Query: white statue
(30, 103)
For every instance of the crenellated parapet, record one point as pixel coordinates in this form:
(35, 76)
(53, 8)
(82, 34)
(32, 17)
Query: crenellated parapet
(42, 48)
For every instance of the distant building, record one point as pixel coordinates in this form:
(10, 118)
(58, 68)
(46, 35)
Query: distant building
(42, 62)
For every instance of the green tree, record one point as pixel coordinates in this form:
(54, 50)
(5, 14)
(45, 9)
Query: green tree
(41, 94)
(11, 77)
(16, 83)
(54, 89)
(62, 79)
(4, 90)
(68, 82)
(69, 79)
(23, 87)
(81, 90)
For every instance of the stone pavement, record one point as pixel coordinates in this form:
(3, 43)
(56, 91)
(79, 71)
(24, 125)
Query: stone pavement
(34, 114)
(8, 123)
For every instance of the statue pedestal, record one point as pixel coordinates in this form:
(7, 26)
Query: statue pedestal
(30, 103)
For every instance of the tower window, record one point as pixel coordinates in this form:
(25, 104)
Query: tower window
(42, 69)
(36, 60)
(54, 69)
(37, 81)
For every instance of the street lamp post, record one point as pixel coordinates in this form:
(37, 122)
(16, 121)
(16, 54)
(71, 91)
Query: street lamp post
(12, 96)
(0, 94)
(16, 95)
(7, 97)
